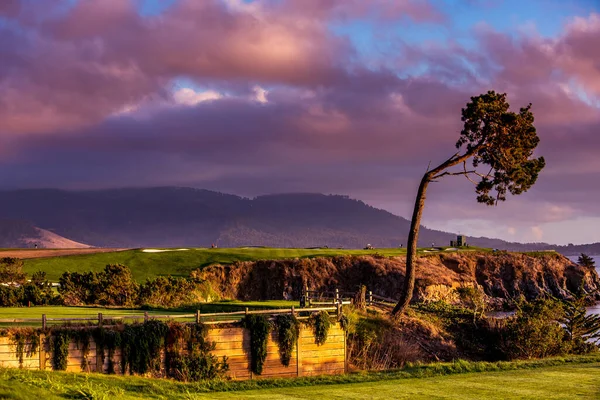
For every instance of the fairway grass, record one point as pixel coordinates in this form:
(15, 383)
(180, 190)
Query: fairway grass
(573, 378)
(180, 263)
(107, 313)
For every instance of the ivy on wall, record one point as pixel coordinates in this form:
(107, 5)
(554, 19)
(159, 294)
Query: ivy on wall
(26, 342)
(288, 329)
(259, 328)
(60, 340)
(320, 323)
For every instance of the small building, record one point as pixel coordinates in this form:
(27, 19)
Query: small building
(461, 240)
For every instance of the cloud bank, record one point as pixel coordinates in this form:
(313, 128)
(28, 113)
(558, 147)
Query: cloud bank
(267, 96)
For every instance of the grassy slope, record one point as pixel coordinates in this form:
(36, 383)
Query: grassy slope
(180, 263)
(579, 377)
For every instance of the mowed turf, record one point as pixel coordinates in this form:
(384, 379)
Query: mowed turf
(92, 312)
(567, 381)
(178, 263)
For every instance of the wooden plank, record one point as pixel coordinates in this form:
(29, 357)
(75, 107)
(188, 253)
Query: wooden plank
(323, 353)
(216, 332)
(30, 363)
(324, 347)
(324, 366)
(231, 346)
(328, 372)
(339, 369)
(276, 375)
(13, 356)
(311, 338)
(239, 375)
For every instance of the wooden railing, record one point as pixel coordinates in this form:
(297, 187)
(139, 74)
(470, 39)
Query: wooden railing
(198, 317)
(315, 297)
(319, 298)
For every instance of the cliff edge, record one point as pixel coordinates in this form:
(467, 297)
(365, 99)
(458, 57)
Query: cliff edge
(500, 275)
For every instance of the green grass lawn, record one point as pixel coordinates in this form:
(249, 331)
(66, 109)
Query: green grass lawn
(575, 378)
(80, 312)
(180, 263)
(176, 263)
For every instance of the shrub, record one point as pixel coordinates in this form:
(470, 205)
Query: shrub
(535, 331)
(375, 343)
(583, 330)
(473, 299)
(174, 292)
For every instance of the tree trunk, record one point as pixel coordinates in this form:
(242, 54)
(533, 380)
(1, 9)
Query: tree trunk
(411, 254)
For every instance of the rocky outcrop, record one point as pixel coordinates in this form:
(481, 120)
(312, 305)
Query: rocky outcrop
(500, 275)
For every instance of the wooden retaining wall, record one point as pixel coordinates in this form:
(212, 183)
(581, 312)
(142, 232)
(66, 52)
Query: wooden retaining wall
(307, 359)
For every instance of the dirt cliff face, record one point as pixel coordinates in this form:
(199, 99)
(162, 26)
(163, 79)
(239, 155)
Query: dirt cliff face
(502, 275)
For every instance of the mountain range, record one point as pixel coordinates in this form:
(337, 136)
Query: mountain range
(173, 217)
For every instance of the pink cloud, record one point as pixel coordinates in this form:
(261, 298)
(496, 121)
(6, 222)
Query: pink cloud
(9, 8)
(330, 123)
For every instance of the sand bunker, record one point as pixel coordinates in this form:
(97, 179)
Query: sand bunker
(161, 250)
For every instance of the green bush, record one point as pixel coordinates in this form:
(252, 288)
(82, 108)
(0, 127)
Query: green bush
(174, 292)
(12, 296)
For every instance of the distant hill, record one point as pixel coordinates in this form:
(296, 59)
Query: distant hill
(169, 216)
(23, 234)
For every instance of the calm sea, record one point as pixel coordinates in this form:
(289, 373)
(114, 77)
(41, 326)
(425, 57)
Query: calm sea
(595, 309)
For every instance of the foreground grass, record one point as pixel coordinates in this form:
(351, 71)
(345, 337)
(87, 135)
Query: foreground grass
(181, 263)
(558, 378)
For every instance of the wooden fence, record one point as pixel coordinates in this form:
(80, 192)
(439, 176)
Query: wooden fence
(308, 358)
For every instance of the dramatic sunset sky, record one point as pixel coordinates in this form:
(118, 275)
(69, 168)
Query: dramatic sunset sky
(335, 96)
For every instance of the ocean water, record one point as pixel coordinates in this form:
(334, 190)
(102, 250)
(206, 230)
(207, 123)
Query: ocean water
(594, 309)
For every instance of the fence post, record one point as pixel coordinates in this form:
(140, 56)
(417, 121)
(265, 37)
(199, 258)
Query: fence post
(338, 309)
(42, 351)
(293, 311)
(337, 295)
(370, 297)
(197, 316)
(44, 321)
(246, 311)
(298, 373)
(145, 316)
(100, 319)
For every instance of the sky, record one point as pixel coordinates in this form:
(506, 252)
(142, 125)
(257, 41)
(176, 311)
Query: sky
(352, 97)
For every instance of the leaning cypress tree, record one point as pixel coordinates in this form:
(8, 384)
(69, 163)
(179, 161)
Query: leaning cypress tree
(499, 145)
